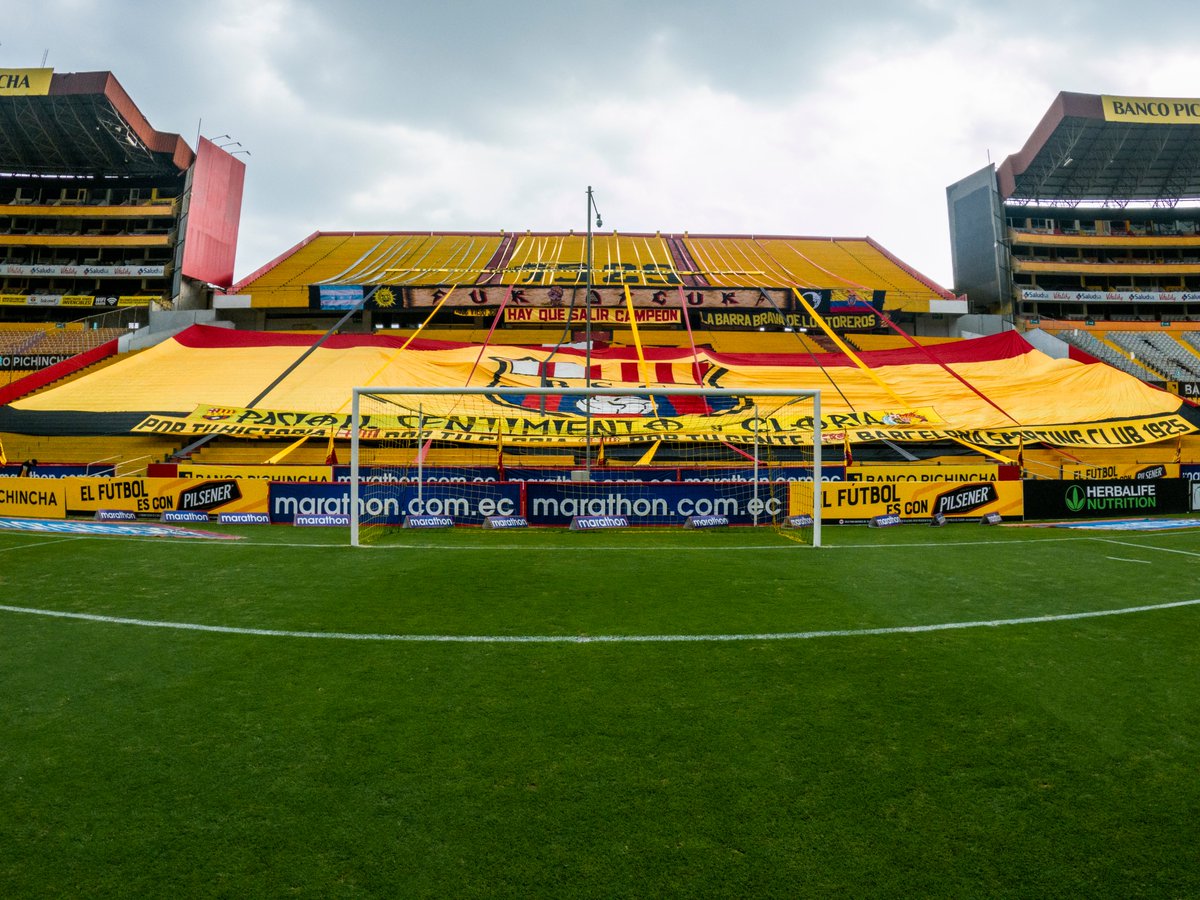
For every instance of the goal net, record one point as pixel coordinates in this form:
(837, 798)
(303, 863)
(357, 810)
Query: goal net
(584, 458)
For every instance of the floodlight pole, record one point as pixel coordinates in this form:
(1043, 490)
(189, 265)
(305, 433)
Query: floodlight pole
(587, 329)
(755, 463)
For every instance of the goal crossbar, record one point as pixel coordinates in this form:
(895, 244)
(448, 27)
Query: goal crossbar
(586, 392)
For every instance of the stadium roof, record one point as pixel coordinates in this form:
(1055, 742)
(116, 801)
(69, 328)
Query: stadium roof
(545, 258)
(83, 124)
(1090, 148)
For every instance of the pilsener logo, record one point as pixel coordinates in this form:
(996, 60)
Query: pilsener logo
(1075, 498)
(964, 499)
(209, 495)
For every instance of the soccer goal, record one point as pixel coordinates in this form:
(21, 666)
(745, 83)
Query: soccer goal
(584, 458)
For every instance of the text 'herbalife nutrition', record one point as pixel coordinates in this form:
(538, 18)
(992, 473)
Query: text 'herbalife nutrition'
(1116, 497)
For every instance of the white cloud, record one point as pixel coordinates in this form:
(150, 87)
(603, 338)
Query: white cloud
(797, 118)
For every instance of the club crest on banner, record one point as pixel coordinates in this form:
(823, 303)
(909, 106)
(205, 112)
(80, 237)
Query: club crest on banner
(613, 374)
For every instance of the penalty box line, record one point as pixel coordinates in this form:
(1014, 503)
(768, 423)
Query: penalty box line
(595, 639)
(1147, 547)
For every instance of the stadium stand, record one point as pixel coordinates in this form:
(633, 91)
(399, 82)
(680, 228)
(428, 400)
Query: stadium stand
(1192, 339)
(855, 264)
(1159, 352)
(1091, 220)
(891, 341)
(129, 454)
(1094, 346)
(91, 211)
(722, 282)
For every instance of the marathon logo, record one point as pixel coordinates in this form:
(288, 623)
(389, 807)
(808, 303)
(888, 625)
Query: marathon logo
(706, 522)
(244, 519)
(591, 523)
(965, 499)
(115, 515)
(179, 516)
(885, 521)
(305, 520)
(209, 495)
(805, 521)
(428, 522)
(505, 522)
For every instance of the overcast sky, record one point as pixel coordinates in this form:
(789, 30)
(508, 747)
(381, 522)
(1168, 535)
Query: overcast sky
(761, 116)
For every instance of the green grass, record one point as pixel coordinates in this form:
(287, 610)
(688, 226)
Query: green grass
(1046, 759)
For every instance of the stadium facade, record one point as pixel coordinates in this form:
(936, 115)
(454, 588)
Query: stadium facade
(100, 211)
(1096, 219)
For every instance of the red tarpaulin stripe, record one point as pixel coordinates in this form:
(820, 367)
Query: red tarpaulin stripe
(1006, 345)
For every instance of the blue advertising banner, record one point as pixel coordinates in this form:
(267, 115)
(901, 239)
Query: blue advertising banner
(564, 473)
(390, 504)
(54, 470)
(775, 473)
(557, 503)
(673, 474)
(478, 474)
(408, 474)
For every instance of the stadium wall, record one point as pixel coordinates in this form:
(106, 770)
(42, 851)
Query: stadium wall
(213, 212)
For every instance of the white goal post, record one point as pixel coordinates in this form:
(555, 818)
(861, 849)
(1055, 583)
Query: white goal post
(758, 449)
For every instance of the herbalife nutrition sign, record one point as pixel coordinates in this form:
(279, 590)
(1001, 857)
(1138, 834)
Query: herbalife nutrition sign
(1105, 499)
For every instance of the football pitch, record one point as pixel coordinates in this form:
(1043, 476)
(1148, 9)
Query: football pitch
(905, 712)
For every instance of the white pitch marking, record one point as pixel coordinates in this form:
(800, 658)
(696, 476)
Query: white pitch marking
(1144, 562)
(39, 544)
(1144, 547)
(594, 639)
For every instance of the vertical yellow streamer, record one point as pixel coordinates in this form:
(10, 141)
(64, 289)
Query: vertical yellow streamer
(637, 341)
(845, 348)
(286, 451)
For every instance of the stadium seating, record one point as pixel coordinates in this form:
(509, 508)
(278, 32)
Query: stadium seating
(737, 261)
(19, 338)
(1092, 345)
(1192, 340)
(51, 340)
(1159, 352)
(224, 452)
(387, 258)
(130, 454)
(867, 342)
